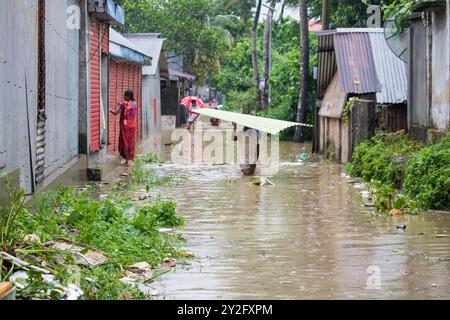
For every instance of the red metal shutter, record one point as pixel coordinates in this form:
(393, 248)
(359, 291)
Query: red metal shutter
(95, 84)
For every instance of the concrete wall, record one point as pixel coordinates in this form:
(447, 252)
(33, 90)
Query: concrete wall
(151, 90)
(429, 74)
(18, 59)
(440, 107)
(418, 106)
(62, 86)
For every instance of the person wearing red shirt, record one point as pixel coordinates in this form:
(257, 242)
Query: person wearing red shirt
(128, 126)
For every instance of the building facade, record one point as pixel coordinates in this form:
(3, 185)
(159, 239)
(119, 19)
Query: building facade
(429, 69)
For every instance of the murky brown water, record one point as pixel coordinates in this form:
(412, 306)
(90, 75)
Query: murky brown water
(307, 237)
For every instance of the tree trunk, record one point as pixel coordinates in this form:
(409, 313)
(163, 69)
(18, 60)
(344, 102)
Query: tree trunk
(304, 71)
(267, 56)
(283, 6)
(325, 14)
(257, 77)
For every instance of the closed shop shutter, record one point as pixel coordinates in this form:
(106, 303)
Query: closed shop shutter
(123, 76)
(95, 85)
(99, 33)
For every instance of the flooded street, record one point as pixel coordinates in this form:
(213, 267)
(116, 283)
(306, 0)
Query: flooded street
(307, 237)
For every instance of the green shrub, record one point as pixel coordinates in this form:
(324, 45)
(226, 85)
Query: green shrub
(383, 159)
(427, 178)
(161, 214)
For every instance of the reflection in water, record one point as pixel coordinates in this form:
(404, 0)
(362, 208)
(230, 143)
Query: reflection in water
(307, 237)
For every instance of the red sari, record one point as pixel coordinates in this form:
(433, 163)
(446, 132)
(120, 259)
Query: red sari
(128, 127)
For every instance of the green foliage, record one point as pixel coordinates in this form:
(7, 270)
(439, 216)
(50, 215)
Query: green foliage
(383, 195)
(236, 69)
(159, 215)
(241, 101)
(142, 175)
(37, 288)
(236, 77)
(107, 286)
(428, 176)
(185, 25)
(346, 13)
(383, 159)
(391, 163)
(348, 109)
(9, 214)
(150, 158)
(398, 11)
(108, 225)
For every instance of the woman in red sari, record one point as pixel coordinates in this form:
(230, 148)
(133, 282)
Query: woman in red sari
(128, 126)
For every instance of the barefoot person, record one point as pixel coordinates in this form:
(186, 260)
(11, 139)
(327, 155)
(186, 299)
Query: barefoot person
(128, 126)
(252, 149)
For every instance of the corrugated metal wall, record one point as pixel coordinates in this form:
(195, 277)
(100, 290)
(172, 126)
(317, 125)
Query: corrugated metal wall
(62, 86)
(326, 59)
(99, 33)
(18, 59)
(122, 77)
(355, 63)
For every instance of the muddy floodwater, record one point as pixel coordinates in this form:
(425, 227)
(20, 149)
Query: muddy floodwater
(307, 237)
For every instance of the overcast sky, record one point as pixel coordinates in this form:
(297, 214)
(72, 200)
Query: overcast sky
(292, 12)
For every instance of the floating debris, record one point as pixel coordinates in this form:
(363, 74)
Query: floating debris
(168, 263)
(262, 182)
(187, 254)
(71, 292)
(7, 291)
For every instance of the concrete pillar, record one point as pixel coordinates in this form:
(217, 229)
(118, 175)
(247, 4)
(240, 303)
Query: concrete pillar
(83, 105)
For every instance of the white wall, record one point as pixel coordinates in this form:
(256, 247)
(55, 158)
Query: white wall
(151, 89)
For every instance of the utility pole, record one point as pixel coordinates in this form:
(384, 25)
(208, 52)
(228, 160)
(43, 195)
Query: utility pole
(268, 38)
(255, 62)
(325, 14)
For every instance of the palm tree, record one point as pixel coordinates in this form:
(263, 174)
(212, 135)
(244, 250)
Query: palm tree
(222, 24)
(304, 70)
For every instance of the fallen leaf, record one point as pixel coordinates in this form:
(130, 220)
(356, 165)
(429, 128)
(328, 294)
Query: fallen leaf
(396, 212)
(187, 254)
